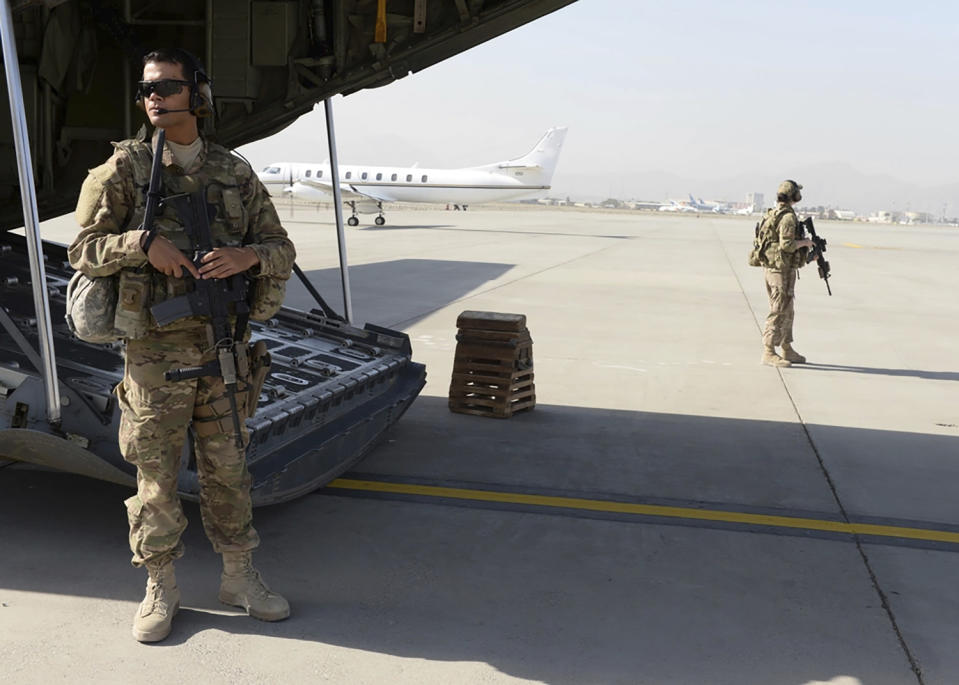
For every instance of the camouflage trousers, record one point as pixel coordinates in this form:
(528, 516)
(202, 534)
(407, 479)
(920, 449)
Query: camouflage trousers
(155, 416)
(781, 288)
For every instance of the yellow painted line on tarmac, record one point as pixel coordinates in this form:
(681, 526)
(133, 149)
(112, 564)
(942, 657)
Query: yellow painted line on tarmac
(871, 247)
(608, 506)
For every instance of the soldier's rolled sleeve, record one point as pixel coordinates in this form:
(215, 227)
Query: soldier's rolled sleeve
(103, 247)
(787, 233)
(270, 241)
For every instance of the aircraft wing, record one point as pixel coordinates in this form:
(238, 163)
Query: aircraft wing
(348, 191)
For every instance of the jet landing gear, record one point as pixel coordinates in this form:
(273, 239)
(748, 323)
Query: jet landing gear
(355, 221)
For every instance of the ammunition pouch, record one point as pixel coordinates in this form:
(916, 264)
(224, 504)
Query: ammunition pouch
(259, 369)
(251, 366)
(132, 314)
(216, 418)
(92, 307)
(266, 297)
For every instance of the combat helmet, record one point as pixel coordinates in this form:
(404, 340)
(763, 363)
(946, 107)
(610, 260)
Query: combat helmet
(789, 189)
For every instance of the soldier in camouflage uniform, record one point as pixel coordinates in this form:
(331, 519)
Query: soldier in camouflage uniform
(156, 413)
(783, 256)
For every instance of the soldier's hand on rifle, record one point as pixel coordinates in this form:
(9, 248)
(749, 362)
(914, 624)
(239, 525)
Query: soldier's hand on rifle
(223, 262)
(167, 259)
(804, 243)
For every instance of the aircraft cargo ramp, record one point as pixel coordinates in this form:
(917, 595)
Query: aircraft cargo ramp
(331, 391)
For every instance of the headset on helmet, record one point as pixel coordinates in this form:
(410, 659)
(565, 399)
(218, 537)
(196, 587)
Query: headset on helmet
(790, 189)
(201, 86)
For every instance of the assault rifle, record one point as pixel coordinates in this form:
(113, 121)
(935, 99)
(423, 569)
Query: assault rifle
(154, 191)
(210, 298)
(816, 253)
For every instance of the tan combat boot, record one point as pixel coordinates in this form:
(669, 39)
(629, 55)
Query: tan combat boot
(790, 355)
(770, 358)
(154, 617)
(241, 586)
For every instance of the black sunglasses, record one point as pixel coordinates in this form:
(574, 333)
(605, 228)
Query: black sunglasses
(165, 87)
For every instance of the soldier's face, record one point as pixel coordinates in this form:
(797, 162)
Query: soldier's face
(156, 71)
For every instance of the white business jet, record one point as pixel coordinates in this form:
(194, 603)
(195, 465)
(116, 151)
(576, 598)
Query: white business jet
(366, 188)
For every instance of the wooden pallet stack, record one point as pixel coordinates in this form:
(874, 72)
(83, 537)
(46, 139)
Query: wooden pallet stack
(493, 366)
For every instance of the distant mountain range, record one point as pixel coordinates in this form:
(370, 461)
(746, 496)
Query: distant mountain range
(836, 184)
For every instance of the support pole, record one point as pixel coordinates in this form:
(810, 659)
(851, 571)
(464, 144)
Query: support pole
(28, 198)
(338, 208)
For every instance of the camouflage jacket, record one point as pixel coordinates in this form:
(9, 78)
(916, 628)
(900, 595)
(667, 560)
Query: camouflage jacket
(112, 201)
(779, 226)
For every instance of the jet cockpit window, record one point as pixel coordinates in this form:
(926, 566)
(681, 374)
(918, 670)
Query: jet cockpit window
(364, 175)
(308, 172)
(379, 177)
(393, 177)
(423, 180)
(272, 170)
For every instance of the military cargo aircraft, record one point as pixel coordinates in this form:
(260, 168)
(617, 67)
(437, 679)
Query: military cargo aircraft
(70, 68)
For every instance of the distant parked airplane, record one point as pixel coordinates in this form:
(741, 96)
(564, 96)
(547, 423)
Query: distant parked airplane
(366, 188)
(695, 205)
(701, 206)
(674, 206)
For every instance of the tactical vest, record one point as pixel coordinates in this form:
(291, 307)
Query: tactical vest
(766, 250)
(141, 289)
(228, 227)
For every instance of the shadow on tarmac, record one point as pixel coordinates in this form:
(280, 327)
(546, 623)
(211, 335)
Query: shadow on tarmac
(415, 288)
(567, 234)
(394, 227)
(907, 373)
(539, 597)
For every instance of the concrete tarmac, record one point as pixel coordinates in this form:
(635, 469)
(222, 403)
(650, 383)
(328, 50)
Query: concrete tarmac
(630, 529)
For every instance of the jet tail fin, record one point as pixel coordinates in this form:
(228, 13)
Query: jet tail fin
(545, 154)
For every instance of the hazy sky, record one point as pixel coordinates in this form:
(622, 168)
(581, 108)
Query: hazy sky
(698, 89)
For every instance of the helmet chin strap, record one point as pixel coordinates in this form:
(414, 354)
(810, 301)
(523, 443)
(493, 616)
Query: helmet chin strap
(160, 110)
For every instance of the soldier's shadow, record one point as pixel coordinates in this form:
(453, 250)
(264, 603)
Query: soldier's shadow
(193, 620)
(909, 373)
